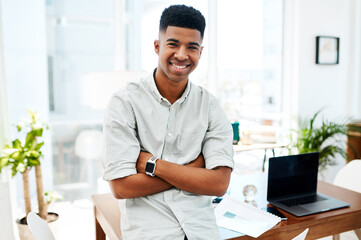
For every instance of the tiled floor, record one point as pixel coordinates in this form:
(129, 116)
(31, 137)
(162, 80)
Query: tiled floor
(76, 220)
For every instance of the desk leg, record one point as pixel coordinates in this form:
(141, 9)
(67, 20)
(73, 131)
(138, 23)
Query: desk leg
(99, 233)
(336, 237)
(358, 233)
(264, 159)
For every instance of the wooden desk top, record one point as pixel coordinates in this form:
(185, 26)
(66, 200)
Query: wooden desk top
(320, 225)
(107, 213)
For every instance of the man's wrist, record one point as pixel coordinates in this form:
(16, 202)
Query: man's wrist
(150, 166)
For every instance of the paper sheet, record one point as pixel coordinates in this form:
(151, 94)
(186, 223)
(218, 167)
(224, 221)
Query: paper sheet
(302, 235)
(244, 218)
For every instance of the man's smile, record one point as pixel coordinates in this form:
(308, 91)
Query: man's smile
(179, 66)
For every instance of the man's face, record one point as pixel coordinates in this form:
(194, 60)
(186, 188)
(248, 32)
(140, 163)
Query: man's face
(179, 50)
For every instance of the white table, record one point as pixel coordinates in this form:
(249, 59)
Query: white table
(257, 146)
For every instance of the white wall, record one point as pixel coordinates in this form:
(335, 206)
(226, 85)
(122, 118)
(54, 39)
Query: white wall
(309, 87)
(329, 86)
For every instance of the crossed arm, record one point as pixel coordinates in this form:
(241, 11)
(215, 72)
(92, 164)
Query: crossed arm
(192, 177)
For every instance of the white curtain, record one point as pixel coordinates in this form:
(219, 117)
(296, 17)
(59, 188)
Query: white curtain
(4, 111)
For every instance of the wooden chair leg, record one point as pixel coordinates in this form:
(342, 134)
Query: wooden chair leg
(336, 237)
(358, 233)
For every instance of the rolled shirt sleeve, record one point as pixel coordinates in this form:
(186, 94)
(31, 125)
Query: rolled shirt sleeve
(121, 146)
(217, 143)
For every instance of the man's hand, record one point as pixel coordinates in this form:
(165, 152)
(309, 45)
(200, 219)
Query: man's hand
(145, 156)
(142, 160)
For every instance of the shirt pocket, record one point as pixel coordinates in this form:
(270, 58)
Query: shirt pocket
(190, 141)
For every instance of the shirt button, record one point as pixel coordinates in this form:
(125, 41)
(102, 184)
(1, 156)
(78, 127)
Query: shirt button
(183, 225)
(172, 108)
(169, 134)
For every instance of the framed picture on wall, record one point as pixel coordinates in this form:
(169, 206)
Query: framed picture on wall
(327, 50)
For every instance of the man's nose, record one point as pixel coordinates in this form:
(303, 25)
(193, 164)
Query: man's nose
(181, 54)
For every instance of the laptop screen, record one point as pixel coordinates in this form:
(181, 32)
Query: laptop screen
(292, 175)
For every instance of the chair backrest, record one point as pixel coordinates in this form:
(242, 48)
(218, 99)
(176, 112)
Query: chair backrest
(39, 227)
(350, 176)
(301, 236)
(88, 144)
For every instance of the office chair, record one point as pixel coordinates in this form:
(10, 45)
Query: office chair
(39, 227)
(350, 177)
(88, 147)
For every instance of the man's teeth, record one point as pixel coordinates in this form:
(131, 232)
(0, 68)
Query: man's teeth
(179, 66)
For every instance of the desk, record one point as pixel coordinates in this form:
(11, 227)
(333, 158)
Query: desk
(257, 146)
(107, 218)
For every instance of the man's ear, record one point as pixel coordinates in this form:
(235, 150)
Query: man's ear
(156, 46)
(200, 53)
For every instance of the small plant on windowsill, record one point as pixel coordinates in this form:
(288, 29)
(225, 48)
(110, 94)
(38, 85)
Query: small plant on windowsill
(328, 139)
(51, 197)
(24, 155)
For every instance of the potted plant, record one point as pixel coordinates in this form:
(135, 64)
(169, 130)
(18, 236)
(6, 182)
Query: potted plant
(353, 140)
(22, 156)
(327, 139)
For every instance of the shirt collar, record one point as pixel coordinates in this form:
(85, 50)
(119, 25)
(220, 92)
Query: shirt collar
(154, 90)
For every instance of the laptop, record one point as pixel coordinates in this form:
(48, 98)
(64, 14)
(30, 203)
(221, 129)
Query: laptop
(292, 185)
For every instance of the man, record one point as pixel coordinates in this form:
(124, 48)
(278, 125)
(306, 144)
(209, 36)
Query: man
(168, 141)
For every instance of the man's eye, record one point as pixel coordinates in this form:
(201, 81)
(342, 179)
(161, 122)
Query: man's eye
(172, 44)
(193, 48)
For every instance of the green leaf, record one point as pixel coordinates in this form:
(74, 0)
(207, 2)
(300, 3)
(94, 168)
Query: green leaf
(32, 154)
(38, 146)
(16, 156)
(34, 162)
(14, 170)
(323, 139)
(4, 162)
(38, 132)
(31, 114)
(30, 137)
(17, 144)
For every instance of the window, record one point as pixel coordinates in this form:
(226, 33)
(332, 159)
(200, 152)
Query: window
(250, 46)
(244, 64)
(79, 41)
(247, 56)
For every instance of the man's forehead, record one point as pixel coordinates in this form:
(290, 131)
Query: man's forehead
(181, 33)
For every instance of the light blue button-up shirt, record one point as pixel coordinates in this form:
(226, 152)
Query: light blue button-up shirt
(137, 119)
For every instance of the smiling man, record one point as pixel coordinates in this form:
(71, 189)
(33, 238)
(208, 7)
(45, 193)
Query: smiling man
(168, 141)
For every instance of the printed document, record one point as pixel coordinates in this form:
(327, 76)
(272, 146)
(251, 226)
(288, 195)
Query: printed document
(244, 218)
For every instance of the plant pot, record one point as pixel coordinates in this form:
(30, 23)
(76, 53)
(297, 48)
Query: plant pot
(25, 232)
(7, 206)
(353, 148)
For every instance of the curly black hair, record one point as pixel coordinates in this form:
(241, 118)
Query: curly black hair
(182, 16)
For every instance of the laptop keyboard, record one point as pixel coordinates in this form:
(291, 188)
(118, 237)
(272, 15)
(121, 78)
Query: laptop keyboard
(302, 200)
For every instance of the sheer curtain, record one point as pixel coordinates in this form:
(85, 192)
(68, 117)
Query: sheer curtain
(7, 186)
(4, 113)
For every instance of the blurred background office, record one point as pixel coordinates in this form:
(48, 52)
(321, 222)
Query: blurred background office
(258, 60)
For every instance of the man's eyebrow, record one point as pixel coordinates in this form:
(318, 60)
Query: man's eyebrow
(177, 41)
(194, 43)
(172, 40)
